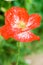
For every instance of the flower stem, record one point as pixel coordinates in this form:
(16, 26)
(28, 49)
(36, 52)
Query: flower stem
(18, 45)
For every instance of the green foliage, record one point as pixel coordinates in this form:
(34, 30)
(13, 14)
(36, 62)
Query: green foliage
(9, 48)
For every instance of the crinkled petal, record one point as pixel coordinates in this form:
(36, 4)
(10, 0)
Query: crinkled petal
(25, 37)
(16, 14)
(34, 21)
(5, 31)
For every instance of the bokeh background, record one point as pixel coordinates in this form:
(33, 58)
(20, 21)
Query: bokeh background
(8, 48)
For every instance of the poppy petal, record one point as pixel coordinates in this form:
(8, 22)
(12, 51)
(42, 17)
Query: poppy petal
(34, 21)
(16, 14)
(25, 37)
(5, 31)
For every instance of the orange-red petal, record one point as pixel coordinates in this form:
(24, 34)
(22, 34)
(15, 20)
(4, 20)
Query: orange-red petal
(16, 13)
(25, 37)
(33, 21)
(5, 31)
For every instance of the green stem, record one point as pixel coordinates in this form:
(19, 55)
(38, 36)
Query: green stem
(18, 45)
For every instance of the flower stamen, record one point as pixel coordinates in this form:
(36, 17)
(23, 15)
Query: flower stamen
(21, 25)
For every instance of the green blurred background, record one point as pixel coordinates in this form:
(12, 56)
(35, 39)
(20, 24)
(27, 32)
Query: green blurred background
(8, 48)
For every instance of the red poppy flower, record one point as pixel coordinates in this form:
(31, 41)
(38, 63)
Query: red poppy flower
(18, 25)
